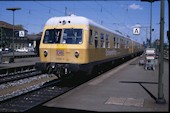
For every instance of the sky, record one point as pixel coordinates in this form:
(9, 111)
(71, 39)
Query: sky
(121, 15)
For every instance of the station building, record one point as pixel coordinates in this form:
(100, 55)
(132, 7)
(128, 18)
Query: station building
(6, 37)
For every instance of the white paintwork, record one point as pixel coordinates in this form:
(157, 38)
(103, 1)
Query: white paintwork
(80, 20)
(76, 20)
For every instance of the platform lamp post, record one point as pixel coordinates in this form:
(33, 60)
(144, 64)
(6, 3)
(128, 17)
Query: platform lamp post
(13, 10)
(160, 99)
(150, 40)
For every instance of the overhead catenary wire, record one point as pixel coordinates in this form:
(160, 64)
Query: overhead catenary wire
(109, 13)
(50, 8)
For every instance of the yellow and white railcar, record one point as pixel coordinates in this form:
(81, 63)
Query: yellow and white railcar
(75, 43)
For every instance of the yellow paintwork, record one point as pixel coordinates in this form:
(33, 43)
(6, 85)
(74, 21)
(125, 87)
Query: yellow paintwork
(88, 53)
(69, 49)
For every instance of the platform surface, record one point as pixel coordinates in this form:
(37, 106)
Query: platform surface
(19, 62)
(107, 93)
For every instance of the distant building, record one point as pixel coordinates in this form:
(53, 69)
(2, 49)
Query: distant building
(34, 41)
(6, 36)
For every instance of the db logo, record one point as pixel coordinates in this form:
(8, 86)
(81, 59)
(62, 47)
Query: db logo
(60, 53)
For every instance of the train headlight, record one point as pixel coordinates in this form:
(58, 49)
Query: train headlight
(76, 54)
(45, 53)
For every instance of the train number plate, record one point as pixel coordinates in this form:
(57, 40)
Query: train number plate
(60, 52)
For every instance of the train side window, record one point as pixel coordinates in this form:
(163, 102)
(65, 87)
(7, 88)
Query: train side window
(96, 39)
(102, 40)
(123, 46)
(107, 41)
(127, 46)
(90, 37)
(114, 42)
(118, 44)
(123, 43)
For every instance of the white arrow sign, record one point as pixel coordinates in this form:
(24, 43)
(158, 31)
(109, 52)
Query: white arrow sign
(21, 33)
(136, 31)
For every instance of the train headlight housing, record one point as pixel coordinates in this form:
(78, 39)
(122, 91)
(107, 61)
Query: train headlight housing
(45, 53)
(76, 53)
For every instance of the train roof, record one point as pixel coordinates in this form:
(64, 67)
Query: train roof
(76, 20)
(79, 20)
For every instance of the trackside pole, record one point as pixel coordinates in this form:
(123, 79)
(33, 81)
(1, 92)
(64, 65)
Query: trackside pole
(161, 99)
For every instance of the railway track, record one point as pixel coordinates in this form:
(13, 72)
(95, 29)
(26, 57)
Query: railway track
(18, 75)
(49, 90)
(34, 98)
(18, 69)
(22, 99)
(21, 86)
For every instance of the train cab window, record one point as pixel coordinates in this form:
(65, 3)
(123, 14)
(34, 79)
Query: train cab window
(72, 36)
(90, 37)
(102, 40)
(107, 41)
(96, 39)
(52, 36)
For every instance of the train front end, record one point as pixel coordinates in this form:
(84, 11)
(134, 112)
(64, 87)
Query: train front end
(63, 47)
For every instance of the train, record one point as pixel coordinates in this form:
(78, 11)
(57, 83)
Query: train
(71, 44)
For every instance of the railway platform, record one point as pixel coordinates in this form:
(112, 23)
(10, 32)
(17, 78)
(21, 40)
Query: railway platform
(6, 57)
(19, 62)
(119, 89)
